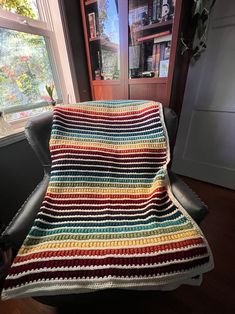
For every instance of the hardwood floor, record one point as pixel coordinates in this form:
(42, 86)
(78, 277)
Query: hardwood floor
(25, 306)
(215, 295)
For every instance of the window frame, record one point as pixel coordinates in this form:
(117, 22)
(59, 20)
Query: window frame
(42, 27)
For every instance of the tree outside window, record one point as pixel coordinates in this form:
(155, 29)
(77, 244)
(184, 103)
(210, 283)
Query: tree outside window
(23, 7)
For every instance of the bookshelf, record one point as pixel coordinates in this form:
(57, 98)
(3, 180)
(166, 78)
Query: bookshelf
(131, 47)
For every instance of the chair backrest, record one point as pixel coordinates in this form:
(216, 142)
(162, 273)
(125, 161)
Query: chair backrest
(38, 131)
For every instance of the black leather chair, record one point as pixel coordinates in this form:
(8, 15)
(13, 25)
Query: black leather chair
(38, 133)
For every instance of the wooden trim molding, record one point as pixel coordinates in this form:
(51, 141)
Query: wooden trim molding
(158, 80)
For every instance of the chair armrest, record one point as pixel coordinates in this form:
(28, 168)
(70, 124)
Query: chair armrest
(187, 198)
(15, 233)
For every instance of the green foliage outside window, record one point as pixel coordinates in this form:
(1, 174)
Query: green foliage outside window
(25, 71)
(22, 7)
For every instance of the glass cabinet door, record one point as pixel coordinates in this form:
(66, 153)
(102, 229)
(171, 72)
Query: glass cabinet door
(150, 34)
(103, 36)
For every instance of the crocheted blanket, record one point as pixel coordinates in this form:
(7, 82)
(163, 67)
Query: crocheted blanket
(109, 219)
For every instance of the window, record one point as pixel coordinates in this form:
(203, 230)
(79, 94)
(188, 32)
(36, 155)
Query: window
(26, 58)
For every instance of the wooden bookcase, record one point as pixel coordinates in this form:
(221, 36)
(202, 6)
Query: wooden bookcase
(128, 40)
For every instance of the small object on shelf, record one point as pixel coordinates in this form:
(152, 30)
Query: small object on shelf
(134, 73)
(145, 19)
(163, 68)
(136, 16)
(92, 25)
(148, 74)
(98, 75)
(116, 75)
(165, 10)
(106, 76)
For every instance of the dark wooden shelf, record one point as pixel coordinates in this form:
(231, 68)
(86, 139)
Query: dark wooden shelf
(155, 25)
(88, 2)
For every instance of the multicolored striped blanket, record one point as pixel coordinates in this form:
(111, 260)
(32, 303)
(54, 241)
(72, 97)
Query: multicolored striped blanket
(109, 219)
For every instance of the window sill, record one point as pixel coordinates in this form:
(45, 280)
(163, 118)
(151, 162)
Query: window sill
(16, 135)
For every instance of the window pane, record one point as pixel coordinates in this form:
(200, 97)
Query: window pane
(23, 7)
(24, 70)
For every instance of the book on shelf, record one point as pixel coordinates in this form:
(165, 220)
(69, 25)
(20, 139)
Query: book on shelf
(157, 60)
(150, 63)
(156, 11)
(163, 68)
(167, 50)
(154, 57)
(134, 57)
(162, 51)
(153, 36)
(92, 25)
(162, 39)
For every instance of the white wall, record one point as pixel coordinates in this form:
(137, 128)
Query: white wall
(205, 146)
